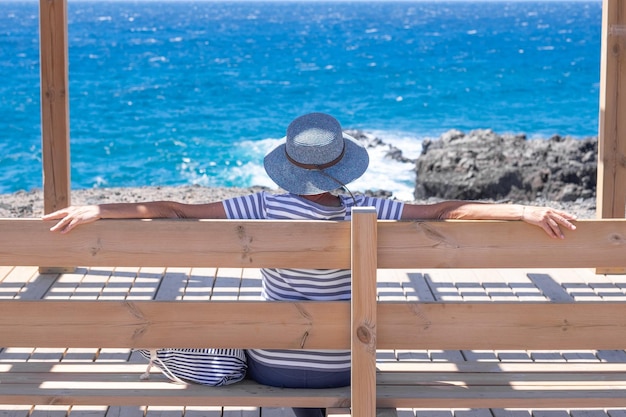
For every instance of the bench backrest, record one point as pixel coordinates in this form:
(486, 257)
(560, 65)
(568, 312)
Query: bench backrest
(324, 244)
(364, 245)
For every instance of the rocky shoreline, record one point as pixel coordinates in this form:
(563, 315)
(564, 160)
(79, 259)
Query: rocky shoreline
(480, 165)
(30, 203)
(483, 164)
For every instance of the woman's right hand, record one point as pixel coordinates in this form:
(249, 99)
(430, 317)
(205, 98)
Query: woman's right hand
(70, 217)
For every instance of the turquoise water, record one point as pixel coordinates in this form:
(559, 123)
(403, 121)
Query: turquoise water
(169, 93)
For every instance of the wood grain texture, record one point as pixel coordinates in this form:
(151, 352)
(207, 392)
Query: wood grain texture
(55, 127)
(263, 243)
(363, 320)
(611, 184)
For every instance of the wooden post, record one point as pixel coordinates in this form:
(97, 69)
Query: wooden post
(54, 108)
(363, 342)
(611, 184)
(611, 195)
(54, 104)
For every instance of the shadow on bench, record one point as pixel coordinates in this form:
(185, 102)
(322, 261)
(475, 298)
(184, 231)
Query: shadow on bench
(416, 385)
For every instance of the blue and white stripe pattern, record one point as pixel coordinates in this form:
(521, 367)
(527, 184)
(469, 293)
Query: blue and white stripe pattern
(214, 367)
(305, 284)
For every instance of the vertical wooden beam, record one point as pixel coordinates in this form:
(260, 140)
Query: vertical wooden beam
(611, 183)
(54, 104)
(55, 125)
(611, 189)
(364, 263)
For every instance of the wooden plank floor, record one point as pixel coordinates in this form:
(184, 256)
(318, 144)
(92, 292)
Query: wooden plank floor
(211, 283)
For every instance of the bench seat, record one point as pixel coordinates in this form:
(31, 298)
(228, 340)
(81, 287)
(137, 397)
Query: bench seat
(82, 383)
(416, 385)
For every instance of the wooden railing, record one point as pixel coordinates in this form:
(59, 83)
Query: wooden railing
(264, 243)
(364, 325)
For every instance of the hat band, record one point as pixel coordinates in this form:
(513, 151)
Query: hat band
(316, 166)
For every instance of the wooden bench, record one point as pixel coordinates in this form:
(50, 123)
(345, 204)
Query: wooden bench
(363, 325)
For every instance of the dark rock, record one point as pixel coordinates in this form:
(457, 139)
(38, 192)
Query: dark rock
(370, 141)
(484, 165)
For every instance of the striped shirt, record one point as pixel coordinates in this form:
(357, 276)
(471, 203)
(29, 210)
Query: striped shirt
(305, 284)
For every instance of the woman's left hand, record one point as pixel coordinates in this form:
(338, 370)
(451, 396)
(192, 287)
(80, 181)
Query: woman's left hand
(549, 219)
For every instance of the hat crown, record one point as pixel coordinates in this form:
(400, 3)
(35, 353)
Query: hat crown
(315, 157)
(314, 139)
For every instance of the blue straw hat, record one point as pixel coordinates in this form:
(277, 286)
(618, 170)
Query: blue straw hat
(316, 156)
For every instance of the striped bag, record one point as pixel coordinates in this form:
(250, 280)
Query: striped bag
(214, 367)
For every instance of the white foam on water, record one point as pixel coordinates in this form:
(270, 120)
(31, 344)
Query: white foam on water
(246, 170)
(383, 173)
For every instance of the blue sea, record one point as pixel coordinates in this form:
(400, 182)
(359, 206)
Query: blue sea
(196, 92)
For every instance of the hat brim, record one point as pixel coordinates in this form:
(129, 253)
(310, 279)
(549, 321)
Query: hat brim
(303, 181)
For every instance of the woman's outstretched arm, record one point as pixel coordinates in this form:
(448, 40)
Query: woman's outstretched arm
(549, 219)
(70, 217)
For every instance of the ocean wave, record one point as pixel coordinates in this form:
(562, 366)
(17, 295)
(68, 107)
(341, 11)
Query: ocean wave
(384, 173)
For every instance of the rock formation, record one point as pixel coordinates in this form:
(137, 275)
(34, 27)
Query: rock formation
(484, 165)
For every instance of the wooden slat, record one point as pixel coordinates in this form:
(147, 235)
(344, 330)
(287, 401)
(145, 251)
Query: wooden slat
(519, 379)
(125, 389)
(562, 368)
(522, 374)
(69, 367)
(182, 243)
(487, 396)
(363, 326)
(148, 324)
(502, 326)
(402, 245)
(571, 386)
(492, 244)
(241, 394)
